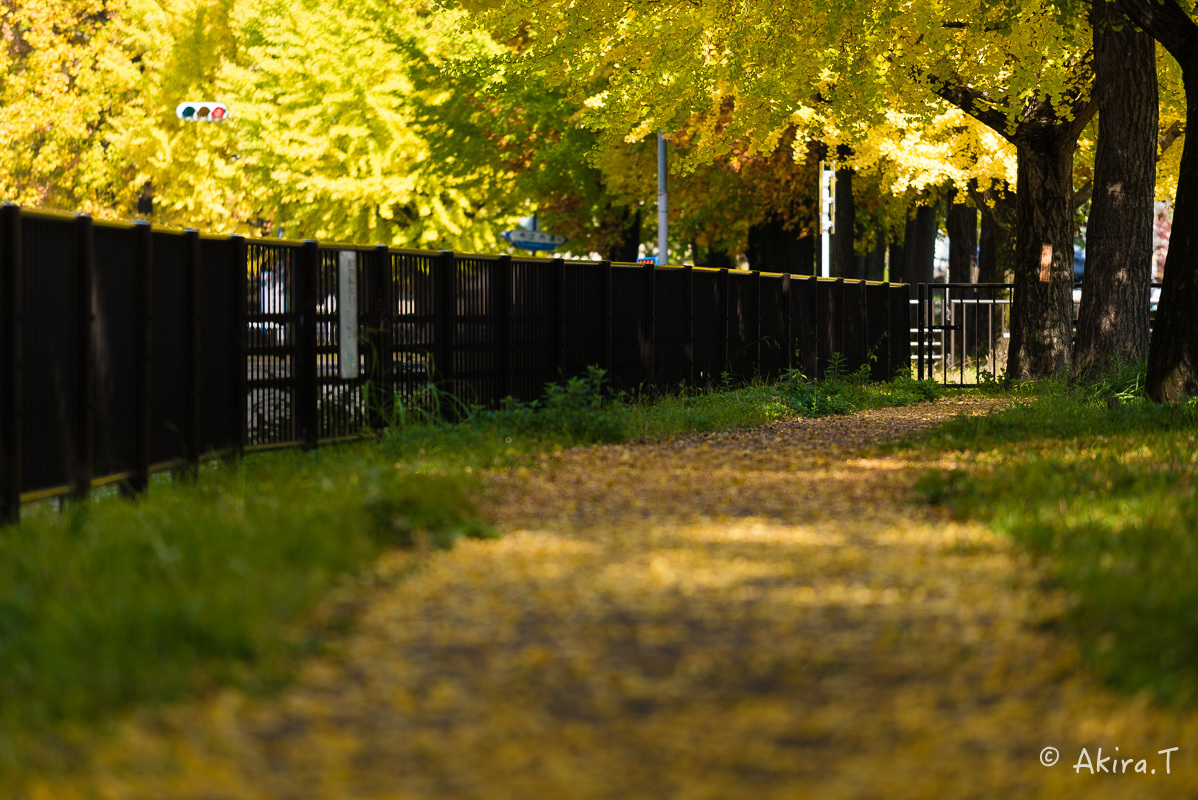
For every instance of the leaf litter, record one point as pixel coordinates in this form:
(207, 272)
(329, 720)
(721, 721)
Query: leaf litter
(760, 613)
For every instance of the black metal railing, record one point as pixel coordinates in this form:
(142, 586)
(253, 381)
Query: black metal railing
(961, 331)
(126, 350)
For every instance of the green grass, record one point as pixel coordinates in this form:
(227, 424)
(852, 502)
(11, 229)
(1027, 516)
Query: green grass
(116, 605)
(1107, 498)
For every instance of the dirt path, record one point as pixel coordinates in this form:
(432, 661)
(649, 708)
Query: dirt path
(760, 614)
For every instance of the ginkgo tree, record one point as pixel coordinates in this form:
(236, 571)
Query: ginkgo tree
(835, 71)
(67, 78)
(328, 98)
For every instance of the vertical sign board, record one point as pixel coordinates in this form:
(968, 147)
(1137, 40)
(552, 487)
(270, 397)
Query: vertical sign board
(347, 309)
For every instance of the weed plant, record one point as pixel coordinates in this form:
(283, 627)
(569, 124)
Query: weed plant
(1101, 485)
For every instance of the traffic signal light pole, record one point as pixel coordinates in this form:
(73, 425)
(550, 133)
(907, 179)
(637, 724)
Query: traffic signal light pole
(663, 212)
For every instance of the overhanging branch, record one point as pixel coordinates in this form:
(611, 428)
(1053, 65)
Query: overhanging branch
(974, 103)
(1168, 23)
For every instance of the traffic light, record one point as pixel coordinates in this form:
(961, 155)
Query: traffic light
(201, 111)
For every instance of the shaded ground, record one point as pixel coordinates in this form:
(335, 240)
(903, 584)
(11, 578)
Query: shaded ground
(757, 614)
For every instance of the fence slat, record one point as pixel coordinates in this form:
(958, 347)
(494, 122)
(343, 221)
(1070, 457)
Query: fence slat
(787, 327)
(502, 301)
(558, 271)
(79, 462)
(605, 314)
(757, 370)
(305, 401)
(139, 476)
(689, 323)
(378, 335)
(648, 323)
(194, 399)
(11, 319)
(239, 285)
(724, 320)
(445, 304)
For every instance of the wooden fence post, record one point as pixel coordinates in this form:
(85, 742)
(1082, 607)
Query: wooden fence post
(688, 333)
(194, 399)
(139, 476)
(306, 398)
(501, 306)
(839, 311)
(558, 267)
(886, 356)
(10, 364)
(379, 336)
(80, 461)
(605, 310)
(757, 324)
(239, 291)
(446, 320)
(649, 323)
(788, 340)
(725, 309)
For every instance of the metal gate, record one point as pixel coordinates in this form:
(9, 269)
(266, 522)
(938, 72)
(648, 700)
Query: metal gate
(961, 331)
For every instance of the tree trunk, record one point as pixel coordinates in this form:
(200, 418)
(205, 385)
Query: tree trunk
(987, 252)
(1041, 317)
(718, 259)
(844, 260)
(773, 248)
(1112, 323)
(628, 247)
(996, 261)
(873, 267)
(901, 253)
(921, 251)
(962, 224)
(1173, 351)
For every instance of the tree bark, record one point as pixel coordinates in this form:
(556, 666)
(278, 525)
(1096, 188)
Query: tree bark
(844, 260)
(962, 224)
(996, 259)
(773, 248)
(1041, 317)
(987, 252)
(628, 247)
(718, 259)
(1173, 350)
(900, 253)
(921, 251)
(873, 265)
(1112, 323)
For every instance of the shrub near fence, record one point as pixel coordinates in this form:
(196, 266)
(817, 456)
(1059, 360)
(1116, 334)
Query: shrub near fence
(125, 350)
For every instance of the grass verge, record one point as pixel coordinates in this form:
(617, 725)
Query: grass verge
(116, 605)
(1107, 494)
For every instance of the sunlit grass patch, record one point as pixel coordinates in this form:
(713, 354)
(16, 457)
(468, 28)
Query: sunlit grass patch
(1107, 494)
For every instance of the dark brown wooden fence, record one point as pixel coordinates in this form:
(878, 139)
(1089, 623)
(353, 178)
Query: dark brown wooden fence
(126, 350)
